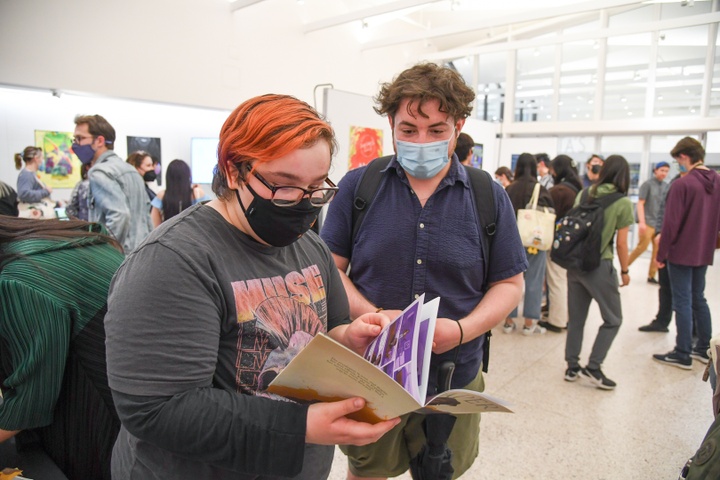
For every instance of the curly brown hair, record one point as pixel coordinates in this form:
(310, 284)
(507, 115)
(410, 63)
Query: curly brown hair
(422, 83)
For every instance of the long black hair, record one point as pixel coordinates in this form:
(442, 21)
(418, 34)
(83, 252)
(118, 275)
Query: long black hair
(565, 170)
(14, 229)
(526, 166)
(179, 192)
(615, 171)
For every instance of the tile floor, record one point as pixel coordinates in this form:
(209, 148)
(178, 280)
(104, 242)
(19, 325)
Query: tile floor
(645, 429)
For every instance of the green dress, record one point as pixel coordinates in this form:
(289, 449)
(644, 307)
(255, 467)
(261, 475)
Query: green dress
(52, 351)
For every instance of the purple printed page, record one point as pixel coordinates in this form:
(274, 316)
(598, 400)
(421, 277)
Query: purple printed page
(426, 332)
(403, 348)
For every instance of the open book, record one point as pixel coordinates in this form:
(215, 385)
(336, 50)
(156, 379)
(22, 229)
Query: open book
(392, 376)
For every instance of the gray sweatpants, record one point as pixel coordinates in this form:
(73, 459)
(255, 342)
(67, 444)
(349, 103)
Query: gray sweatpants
(602, 285)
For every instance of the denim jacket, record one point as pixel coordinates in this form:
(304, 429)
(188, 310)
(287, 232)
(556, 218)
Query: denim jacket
(117, 199)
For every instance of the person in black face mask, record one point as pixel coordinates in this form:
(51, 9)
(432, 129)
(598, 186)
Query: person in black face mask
(250, 285)
(145, 166)
(592, 170)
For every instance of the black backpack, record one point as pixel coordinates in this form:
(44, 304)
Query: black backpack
(579, 233)
(484, 209)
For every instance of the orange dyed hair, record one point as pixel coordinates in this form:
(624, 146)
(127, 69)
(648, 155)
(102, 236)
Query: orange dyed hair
(265, 128)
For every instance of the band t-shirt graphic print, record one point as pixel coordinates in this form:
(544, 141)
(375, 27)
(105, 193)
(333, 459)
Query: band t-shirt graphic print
(277, 316)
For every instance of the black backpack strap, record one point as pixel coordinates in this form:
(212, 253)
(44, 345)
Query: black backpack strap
(585, 196)
(609, 199)
(604, 203)
(570, 186)
(485, 210)
(366, 190)
(482, 187)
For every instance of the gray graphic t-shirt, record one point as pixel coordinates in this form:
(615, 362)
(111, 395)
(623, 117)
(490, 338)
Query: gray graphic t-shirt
(199, 310)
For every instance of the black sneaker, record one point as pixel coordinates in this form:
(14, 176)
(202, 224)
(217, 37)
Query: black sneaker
(549, 326)
(598, 378)
(674, 358)
(653, 281)
(700, 355)
(653, 327)
(572, 374)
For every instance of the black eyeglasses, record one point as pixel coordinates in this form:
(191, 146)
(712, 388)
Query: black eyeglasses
(286, 196)
(79, 138)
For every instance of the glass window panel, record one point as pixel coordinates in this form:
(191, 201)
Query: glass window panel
(577, 80)
(680, 69)
(712, 151)
(626, 76)
(714, 110)
(491, 86)
(579, 149)
(534, 88)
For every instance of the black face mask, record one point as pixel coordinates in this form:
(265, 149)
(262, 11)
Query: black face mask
(278, 226)
(595, 169)
(150, 176)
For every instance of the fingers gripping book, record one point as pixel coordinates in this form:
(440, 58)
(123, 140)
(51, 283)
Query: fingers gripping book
(392, 375)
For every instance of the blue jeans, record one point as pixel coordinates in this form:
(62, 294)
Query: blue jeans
(534, 279)
(688, 300)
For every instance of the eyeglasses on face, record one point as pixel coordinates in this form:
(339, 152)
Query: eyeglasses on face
(79, 138)
(287, 196)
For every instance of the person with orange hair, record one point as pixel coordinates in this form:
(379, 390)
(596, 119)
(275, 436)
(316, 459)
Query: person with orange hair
(247, 286)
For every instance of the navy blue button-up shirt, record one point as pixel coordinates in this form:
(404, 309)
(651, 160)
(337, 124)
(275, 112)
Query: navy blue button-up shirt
(403, 249)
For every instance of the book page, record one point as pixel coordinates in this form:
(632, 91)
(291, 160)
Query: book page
(423, 345)
(460, 401)
(391, 381)
(394, 350)
(327, 371)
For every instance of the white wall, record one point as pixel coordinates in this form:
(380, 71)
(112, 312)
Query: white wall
(23, 111)
(190, 52)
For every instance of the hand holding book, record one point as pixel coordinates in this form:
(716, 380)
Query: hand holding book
(392, 377)
(358, 334)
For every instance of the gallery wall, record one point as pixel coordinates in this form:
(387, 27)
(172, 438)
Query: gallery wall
(187, 52)
(24, 111)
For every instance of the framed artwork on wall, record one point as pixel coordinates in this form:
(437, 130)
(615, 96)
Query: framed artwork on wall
(150, 145)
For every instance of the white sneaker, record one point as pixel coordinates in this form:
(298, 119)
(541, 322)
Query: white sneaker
(535, 329)
(509, 327)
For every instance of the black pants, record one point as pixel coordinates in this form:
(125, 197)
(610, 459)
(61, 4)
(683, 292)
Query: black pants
(665, 311)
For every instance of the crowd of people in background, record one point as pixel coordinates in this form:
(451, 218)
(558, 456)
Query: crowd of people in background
(97, 376)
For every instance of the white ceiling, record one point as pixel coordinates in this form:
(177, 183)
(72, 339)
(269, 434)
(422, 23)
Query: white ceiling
(455, 30)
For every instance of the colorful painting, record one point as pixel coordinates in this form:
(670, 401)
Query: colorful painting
(477, 157)
(365, 145)
(152, 146)
(60, 168)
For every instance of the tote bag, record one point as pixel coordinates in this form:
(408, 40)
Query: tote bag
(536, 226)
(44, 209)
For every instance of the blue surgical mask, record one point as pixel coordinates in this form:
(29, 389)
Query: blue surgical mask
(84, 152)
(682, 168)
(423, 160)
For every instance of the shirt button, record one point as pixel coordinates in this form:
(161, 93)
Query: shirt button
(422, 225)
(419, 261)
(417, 295)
